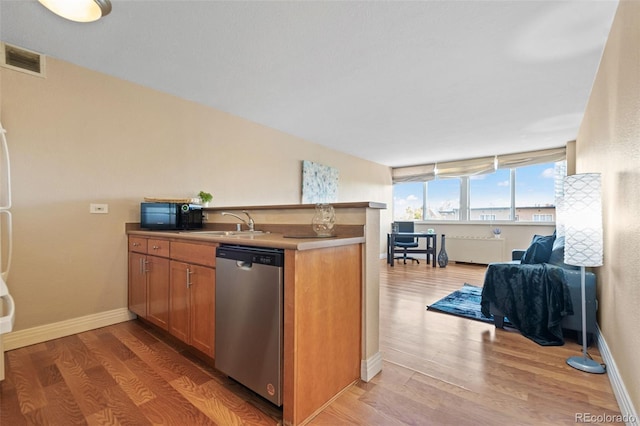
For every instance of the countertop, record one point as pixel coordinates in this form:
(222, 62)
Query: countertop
(350, 205)
(266, 239)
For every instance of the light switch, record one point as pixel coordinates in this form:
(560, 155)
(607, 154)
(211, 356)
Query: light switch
(99, 208)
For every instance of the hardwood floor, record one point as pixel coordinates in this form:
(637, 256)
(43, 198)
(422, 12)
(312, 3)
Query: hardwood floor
(444, 370)
(438, 369)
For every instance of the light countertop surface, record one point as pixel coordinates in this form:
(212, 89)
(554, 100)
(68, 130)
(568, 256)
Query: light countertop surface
(293, 241)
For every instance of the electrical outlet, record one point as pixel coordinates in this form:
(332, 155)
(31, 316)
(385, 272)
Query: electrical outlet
(99, 208)
(205, 217)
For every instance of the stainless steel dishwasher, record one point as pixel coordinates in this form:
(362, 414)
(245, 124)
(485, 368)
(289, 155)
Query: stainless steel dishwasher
(249, 317)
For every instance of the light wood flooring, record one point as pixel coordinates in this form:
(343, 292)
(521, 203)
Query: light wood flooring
(438, 370)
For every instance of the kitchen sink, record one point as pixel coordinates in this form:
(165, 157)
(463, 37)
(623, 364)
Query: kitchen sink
(224, 233)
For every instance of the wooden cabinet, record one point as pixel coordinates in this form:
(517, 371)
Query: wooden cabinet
(192, 295)
(149, 280)
(323, 302)
(322, 327)
(172, 284)
(197, 254)
(158, 291)
(137, 284)
(192, 305)
(203, 298)
(179, 295)
(138, 244)
(158, 247)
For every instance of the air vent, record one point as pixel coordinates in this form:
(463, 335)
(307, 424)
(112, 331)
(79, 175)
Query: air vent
(23, 60)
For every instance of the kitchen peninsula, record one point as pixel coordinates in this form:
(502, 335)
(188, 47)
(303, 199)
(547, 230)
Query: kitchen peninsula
(330, 292)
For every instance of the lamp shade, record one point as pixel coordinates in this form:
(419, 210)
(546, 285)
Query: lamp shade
(582, 209)
(560, 217)
(79, 10)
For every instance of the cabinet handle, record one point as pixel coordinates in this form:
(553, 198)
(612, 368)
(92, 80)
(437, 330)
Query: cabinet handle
(143, 266)
(189, 277)
(135, 244)
(155, 247)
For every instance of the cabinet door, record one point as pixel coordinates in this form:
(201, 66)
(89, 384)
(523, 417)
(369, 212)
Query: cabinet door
(199, 254)
(202, 318)
(138, 244)
(137, 284)
(158, 291)
(179, 300)
(158, 247)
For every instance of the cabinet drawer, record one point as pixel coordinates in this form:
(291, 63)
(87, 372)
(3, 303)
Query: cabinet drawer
(200, 254)
(138, 244)
(158, 247)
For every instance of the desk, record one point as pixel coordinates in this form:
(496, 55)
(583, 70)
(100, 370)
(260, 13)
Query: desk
(429, 250)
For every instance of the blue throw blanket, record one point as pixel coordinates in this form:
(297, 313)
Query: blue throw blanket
(534, 297)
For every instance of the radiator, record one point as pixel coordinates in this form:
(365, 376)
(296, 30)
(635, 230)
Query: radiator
(475, 249)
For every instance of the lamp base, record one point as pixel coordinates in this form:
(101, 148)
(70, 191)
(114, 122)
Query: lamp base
(585, 364)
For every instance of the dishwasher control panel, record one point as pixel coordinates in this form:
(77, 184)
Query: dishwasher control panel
(251, 255)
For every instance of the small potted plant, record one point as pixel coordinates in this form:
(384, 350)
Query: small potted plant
(205, 197)
(496, 232)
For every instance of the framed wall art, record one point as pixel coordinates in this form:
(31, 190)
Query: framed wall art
(319, 183)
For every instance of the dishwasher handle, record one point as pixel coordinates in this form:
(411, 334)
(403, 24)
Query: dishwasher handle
(245, 266)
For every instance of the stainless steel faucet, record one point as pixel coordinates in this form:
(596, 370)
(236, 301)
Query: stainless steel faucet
(250, 223)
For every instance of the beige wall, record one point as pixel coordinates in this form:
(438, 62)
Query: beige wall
(609, 143)
(80, 137)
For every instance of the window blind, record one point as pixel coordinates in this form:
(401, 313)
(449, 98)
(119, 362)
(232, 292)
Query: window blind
(472, 167)
(421, 173)
(475, 166)
(530, 158)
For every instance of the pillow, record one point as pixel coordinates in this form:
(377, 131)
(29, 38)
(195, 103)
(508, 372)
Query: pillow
(540, 249)
(557, 254)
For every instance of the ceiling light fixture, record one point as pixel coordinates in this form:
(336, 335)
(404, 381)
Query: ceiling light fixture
(79, 10)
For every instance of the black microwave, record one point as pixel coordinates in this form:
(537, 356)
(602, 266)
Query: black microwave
(170, 216)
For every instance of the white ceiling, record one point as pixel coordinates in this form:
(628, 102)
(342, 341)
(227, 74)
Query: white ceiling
(398, 83)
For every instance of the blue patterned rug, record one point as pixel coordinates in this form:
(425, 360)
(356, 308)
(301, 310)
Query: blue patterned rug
(463, 303)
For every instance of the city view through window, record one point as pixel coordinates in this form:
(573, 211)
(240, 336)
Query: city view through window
(491, 198)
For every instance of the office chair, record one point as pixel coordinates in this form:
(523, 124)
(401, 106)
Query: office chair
(406, 242)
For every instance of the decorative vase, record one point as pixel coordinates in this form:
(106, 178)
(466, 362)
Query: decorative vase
(443, 258)
(324, 220)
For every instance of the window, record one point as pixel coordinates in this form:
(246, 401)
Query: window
(434, 200)
(443, 199)
(535, 186)
(408, 201)
(490, 196)
(536, 190)
(521, 194)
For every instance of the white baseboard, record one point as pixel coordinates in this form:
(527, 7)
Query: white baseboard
(629, 413)
(370, 367)
(32, 336)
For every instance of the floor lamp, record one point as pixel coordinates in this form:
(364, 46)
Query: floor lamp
(583, 244)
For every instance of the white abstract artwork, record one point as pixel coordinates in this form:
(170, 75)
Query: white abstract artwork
(319, 183)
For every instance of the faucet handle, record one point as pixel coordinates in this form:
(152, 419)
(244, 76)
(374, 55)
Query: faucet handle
(251, 223)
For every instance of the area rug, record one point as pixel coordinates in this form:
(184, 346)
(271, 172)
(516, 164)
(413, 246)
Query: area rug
(463, 303)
